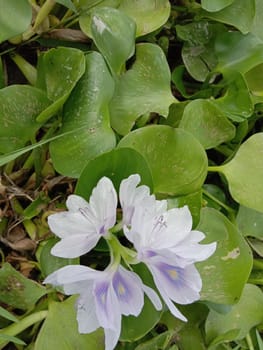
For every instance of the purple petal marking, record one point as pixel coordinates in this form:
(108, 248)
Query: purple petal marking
(121, 288)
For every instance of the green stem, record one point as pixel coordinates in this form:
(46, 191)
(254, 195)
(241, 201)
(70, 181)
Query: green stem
(258, 264)
(26, 68)
(215, 169)
(249, 342)
(223, 205)
(44, 12)
(16, 328)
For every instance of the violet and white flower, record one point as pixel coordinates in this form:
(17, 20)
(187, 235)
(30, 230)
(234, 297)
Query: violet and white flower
(81, 227)
(169, 248)
(104, 296)
(132, 196)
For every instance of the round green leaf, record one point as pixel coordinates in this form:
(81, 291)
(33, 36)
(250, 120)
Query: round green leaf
(15, 18)
(19, 107)
(143, 89)
(107, 28)
(117, 164)
(58, 72)
(247, 313)
(215, 5)
(225, 273)
(207, 123)
(149, 15)
(250, 222)
(239, 14)
(60, 330)
(244, 173)
(85, 111)
(176, 159)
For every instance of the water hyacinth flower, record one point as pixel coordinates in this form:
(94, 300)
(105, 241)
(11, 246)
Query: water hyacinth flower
(81, 227)
(169, 248)
(104, 296)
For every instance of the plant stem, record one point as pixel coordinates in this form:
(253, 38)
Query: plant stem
(215, 169)
(26, 68)
(16, 328)
(223, 205)
(44, 12)
(249, 342)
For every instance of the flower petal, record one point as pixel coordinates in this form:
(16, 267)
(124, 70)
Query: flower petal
(68, 223)
(107, 306)
(112, 337)
(153, 296)
(75, 202)
(86, 313)
(103, 203)
(182, 285)
(132, 196)
(128, 288)
(71, 274)
(75, 246)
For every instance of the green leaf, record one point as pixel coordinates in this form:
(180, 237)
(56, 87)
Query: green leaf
(149, 15)
(7, 315)
(58, 72)
(215, 5)
(177, 161)
(254, 81)
(257, 26)
(207, 123)
(18, 291)
(86, 107)
(250, 222)
(244, 173)
(239, 14)
(10, 338)
(15, 18)
(117, 164)
(66, 336)
(67, 3)
(247, 313)
(50, 263)
(107, 28)
(237, 52)
(225, 273)
(236, 103)
(198, 51)
(160, 341)
(19, 107)
(143, 89)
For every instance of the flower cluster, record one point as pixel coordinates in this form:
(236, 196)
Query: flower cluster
(163, 240)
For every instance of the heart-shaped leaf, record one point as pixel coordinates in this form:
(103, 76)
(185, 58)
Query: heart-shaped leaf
(215, 5)
(117, 164)
(86, 107)
(19, 107)
(244, 173)
(207, 123)
(225, 273)
(15, 18)
(143, 89)
(177, 161)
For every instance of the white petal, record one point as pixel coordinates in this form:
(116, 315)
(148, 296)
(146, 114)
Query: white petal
(107, 306)
(182, 285)
(86, 313)
(75, 246)
(68, 223)
(112, 337)
(153, 296)
(71, 274)
(173, 309)
(75, 202)
(103, 203)
(128, 289)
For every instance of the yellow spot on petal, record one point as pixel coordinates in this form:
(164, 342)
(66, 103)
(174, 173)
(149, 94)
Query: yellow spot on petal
(173, 274)
(121, 289)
